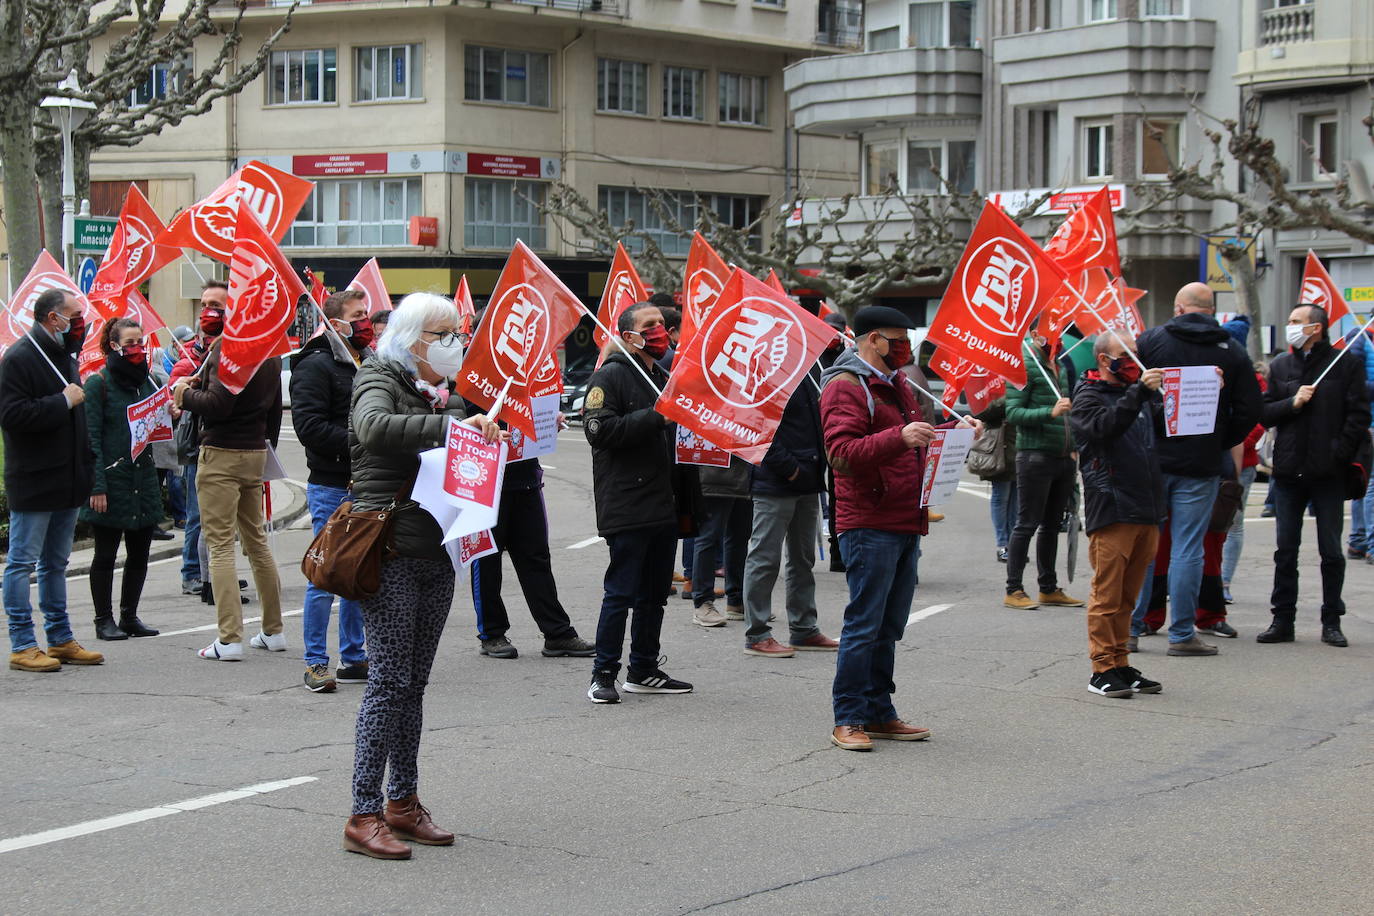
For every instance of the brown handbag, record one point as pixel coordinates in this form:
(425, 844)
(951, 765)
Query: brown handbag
(345, 558)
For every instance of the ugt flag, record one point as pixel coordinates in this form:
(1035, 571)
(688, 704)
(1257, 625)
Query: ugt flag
(977, 384)
(133, 256)
(1319, 289)
(701, 285)
(370, 283)
(45, 274)
(731, 382)
(1088, 237)
(1095, 302)
(263, 292)
(273, 197)
(623, 289)
(1002, 282)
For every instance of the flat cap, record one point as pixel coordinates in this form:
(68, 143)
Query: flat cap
(872, 317)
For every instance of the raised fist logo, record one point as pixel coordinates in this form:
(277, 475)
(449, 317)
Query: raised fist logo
(256, 291)
(751, 351)
(1000, 285)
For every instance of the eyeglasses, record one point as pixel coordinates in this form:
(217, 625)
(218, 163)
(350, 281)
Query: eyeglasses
(444, 338)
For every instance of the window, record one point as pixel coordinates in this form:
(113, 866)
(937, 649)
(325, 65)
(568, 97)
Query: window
(1159, 146)
(743, 99)
(509, 77)
(625, 205)
(927, 161)
(356, 213)
(1164, 8)
(880, 168)
(942, 24)
(622, 86)
(884, 39)
(1097, 151)
(1101, 10)
(684, 93)
(302, 77)
(741, 212)
(498, 212)
(164, 79)
(1317, 154)
(387, 72)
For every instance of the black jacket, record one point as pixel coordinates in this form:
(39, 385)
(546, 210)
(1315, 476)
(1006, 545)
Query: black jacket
(635, 479)
(798, 446)
(1320, 439)
(1114, 430)
(321, 394)
(49, 464)
(518, 475)
(1196, 339)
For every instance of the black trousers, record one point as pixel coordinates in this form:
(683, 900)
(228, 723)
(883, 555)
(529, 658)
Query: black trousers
(1291, 498)
(136, 545)
(1044, 486)
(522, 530)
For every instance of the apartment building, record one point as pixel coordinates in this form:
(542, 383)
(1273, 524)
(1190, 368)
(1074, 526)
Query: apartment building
(1014, 98)
(463, 115)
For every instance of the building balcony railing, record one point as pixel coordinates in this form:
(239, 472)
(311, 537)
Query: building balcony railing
(1286, 25)
(840, 25)
(850, 92)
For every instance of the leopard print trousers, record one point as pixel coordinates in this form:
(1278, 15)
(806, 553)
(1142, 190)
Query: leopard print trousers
(403, 622)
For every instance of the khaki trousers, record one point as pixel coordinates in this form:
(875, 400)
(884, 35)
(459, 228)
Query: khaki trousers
(229, 485)
(1119, 555)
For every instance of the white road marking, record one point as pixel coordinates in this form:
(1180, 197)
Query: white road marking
(146, 814)
(981, 494)
(215, 626)
(587, 543)
(927, 612)
(548, 467)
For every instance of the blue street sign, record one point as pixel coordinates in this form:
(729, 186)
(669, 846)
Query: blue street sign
(85, 274)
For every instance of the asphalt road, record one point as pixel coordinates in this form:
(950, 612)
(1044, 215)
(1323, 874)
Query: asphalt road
(1245, 787)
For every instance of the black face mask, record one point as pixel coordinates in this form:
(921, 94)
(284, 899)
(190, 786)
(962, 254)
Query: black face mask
(127, 372)
(75, 335)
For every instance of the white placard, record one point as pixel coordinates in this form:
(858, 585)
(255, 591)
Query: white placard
(544, 410)
(944, 464)
(1190, 400)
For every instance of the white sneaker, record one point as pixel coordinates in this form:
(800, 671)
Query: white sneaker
(223, 652)
(275, 643)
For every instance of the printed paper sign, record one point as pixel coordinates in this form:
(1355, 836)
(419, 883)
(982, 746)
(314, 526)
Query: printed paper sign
(473, 466)
(149, 421)
(944, 463)
(272, 467)
(1190, 400)
(544, 409)
(473, 547)
(693, 449)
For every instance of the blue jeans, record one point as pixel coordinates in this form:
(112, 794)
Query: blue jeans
(1190, 502)
(1369, 515)
(39, 541)
(176, 495)
(323, 501)
(1003, 510)
(1358, 530)
(1235, 537)
(723, 538)
(882, 581)
(190, 548)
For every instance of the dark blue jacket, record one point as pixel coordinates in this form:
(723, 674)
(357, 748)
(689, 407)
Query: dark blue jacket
(1114, 431)
(798, 447)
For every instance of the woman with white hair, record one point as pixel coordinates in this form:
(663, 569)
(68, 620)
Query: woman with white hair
(401, 407)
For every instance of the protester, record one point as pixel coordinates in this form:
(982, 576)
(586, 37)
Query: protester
(727, 516)
(1113, 423)
(321, 394)
(126, 500)
(1002, 500)
(176, 477)
(379, 322)
(1192, 465)
(48, 474)
(843, 341)
(1361, 540)
(672, 320)
(874, 440)
(785, 488)
(401, 407)
(641, 497)
(235, 432)
(1044, 476)
(1321, 429)
(1249, 466)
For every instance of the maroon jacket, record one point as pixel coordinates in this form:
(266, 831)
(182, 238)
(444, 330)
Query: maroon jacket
(877, 476)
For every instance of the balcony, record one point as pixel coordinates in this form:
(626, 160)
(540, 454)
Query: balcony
(1286, 25)
(840, 25)
(851, 92)
(1121, 59)
(601, 7)
(1308, 46)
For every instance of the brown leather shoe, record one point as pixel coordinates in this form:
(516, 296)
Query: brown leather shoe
(851, 738)
(897, 730)
(410, 820)
(818, 643)
(768, 648)
(71, 653)
(369, 835)
(33, 659)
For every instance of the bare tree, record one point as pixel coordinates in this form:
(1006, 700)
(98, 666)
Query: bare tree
(41, 41)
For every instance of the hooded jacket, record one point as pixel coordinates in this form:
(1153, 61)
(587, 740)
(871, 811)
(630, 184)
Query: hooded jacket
(48, 459)
(1195, 339)
(1114, 431)
(877, 475)
(1320, 439)
(321, 394)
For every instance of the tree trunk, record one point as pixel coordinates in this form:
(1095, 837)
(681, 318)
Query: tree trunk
(21, 197)
(48, 163)
(1247, 294)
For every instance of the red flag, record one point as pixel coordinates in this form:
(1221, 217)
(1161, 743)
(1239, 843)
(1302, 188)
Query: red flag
(318, 292)
(825, 309)
(45, 274)
(274, 197)
(369, 281)
(623, 289)
(142, 311)
(1112, 301)
(773, 281)
(977, 384)
(263, 293)
(704, 279)
(529, 315)
(1319, 289)
(133, 256)
(467, 311)
(1088, 237)
(731, 382)
(1002, 282)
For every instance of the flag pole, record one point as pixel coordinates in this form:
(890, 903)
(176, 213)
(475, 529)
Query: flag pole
(62, 378)
(1046, 373)
(1098, 315)
(616, 340)
(1076, 345)
(500, 399)
(1341, 352)
(946, 409)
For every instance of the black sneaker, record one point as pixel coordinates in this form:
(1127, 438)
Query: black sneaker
(1110, 684)
(498, 647)
(1332, 636)
(602, 689)
(568, 647)
(1138, 682)
(1220, 628)
(655, 681)
(351, 674)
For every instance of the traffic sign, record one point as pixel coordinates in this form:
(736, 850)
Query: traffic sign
(93, 233)
(85, 274)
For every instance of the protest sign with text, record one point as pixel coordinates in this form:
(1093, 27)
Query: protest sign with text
(1190, 400)
(473, 547)
(522, 448)
(150, 420)
(944, 464)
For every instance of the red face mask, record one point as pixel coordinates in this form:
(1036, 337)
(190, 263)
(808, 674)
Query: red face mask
(655, 341)
(363, 334)
(212, 322)
(134, 354)
(898, 353)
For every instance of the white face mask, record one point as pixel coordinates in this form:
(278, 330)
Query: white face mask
(1296, 334)
(444, 359)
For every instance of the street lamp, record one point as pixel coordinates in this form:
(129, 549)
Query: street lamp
(69, 113)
